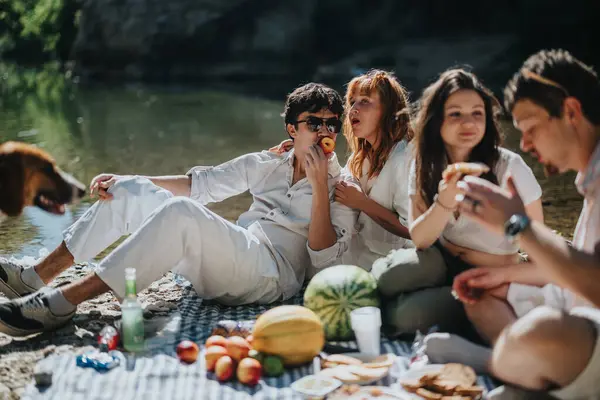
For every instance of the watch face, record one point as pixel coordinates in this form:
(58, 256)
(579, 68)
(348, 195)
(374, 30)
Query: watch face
(516, 224)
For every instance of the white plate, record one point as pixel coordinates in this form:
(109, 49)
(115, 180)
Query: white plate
(365, 358)
(322, 385)
(386, 394)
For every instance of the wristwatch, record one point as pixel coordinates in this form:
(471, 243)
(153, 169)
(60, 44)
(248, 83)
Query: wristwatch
(516, 224)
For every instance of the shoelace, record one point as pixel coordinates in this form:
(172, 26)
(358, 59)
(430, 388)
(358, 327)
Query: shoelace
(34, 304)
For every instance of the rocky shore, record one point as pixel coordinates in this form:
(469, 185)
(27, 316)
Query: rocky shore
(18, 356)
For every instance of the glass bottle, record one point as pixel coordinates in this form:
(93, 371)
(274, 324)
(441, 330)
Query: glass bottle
(132, 317)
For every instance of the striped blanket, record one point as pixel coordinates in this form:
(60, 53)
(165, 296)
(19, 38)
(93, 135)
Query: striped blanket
(158, 374)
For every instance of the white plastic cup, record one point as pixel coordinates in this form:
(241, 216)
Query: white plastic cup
(366, 324)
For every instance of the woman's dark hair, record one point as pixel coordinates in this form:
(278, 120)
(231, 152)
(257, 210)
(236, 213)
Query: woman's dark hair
(431, 156)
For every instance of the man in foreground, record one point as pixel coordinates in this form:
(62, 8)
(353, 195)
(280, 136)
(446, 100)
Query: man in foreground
(554, 344)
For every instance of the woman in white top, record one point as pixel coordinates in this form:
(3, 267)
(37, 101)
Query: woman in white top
(378, 130)
(456, 122)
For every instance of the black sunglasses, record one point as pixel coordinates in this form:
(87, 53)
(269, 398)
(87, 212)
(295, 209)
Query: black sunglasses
(334, 125)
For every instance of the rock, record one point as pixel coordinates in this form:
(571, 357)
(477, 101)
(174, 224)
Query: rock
(4, 391)
(95, 314)
(49, 350)
(42, 374)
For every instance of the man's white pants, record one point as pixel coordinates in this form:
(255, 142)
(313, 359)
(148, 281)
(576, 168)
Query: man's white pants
(222, 260)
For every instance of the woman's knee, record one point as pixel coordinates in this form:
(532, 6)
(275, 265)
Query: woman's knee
(407, 270)
(422, 310)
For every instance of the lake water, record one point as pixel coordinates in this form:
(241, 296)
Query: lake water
(136, 129)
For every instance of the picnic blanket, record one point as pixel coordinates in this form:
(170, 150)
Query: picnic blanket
(158, 374)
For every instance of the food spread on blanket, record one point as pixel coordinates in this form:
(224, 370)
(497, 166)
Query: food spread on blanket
(352, 370)
(281, 336)
(464, 168)
(288, 336)
(454, 381)
(335, 292)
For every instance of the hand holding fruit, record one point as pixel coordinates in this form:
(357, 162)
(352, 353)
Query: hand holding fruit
(316, 166)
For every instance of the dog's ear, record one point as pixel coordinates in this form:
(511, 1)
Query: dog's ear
(12, 177)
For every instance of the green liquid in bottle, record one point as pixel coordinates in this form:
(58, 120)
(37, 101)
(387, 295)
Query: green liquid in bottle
(132, 317)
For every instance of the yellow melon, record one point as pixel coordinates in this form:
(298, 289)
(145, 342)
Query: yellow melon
(293, 333)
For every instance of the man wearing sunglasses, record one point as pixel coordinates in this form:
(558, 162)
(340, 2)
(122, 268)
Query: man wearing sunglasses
(292, 229)
(554, 343)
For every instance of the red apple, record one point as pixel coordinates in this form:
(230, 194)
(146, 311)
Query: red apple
(224, 368)
(249, 371)
(187, 351)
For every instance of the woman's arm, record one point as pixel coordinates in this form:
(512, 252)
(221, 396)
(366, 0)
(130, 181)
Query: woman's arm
(385, 218)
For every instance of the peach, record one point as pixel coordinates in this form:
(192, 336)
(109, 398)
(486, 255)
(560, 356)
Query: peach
(238, 347)
(212, 355)
(249, 371)
(327, 144)
(249, 339)
(216, 340)
(224, 368)
(187, 351)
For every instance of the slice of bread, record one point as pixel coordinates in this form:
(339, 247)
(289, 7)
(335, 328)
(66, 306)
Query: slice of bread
(382, 361)
(342, 359)
(464, 168)
(368, 373)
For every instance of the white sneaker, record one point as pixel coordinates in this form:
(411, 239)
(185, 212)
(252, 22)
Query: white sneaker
(30, 314)
(11, 283)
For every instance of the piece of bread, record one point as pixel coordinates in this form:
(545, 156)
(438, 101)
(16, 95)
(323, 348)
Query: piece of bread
(428, 395)
(464, 168)
(342, 373)
(382, 361)
(472, 391)
(461, 374)
(368, 373)
(442, 386)
(410, 385)
(342, 359)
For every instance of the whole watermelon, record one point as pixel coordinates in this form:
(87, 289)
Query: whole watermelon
(334, 292)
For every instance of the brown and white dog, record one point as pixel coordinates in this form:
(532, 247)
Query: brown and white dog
(30, 177)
